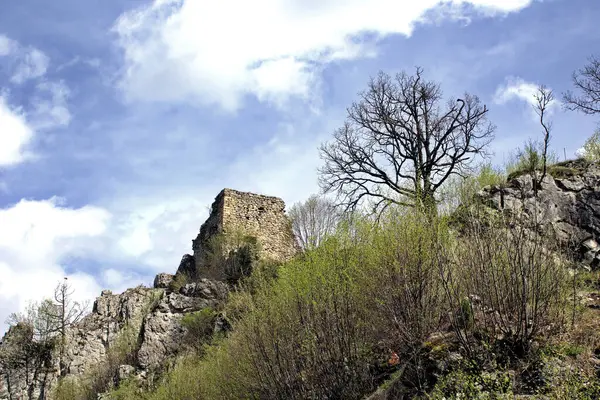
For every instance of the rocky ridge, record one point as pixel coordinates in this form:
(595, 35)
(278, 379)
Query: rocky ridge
(567, 203)
(151, 317)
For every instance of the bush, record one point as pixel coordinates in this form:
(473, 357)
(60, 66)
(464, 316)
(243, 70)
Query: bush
(462, 191)
(127, 390)
(591, 148)
(179, 281)
(232, 256)
(402, 288)
(469, 384)
(516, 280)
(184, 382)
(528, 160)
(200, 327)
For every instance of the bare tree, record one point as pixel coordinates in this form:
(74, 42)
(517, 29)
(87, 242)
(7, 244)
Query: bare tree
(399, 145)
(544, 98)
(587, 81)
(313, 220)
(64, 313)
(39, 317)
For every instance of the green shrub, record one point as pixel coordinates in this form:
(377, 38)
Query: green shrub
(68, 388)
(464, 384)
(199, 326)
(528, 160)
(185, 382)
(591, 148)
(232, 256)
(128, 390)
(179, 281)
(462, 190)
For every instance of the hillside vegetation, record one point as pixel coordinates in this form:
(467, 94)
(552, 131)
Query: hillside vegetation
(410, 282)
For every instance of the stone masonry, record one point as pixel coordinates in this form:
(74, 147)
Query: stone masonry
(251, 214)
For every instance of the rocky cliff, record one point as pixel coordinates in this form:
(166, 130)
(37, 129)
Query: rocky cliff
(145, 323)
(567, 202)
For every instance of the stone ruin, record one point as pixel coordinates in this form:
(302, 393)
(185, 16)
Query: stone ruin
(233, 212)
(155, 314)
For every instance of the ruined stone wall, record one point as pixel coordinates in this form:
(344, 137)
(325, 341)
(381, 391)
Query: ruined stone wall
(263, 217)
(251, 214)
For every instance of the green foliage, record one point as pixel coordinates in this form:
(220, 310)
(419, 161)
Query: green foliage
(591, 148)
(234, 253)
(462, 191)
(466, 317)
(199, 326)
(68, 388)
(185, 382)
(562, 172)
(465, 384)
(572, 350)
(179, 281)
(528, 160)
(128, 390)
(571, 384)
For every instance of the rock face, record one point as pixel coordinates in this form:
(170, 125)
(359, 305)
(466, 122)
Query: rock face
(260, 216)
(163, 332)
(151, 315)
(187, 266)
(568, 202)
(162, 281)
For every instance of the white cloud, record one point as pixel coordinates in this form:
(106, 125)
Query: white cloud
(36, 237)
(519, 89)
(32, 64)
(50, 108)
(7, 45)
(516, 89)
(47, 107)
(15, 135)
(217, 52)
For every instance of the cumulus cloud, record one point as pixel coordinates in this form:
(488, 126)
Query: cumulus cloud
(218, 52)
(36, 237)
(521, 90)
(15, 135)
(516, 89)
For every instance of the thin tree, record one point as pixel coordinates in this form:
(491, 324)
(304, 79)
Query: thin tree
(587, 82)
(64, 313)
(39, 317)
(544, 98)
(400, 144)
(313, 220)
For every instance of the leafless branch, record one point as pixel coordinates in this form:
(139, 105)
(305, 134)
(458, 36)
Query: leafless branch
(399, 145)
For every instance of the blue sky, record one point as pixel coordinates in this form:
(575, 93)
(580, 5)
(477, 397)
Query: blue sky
(121, 120)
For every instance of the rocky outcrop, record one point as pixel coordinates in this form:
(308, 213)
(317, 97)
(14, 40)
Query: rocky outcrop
(567, 202)
(152, 315)
(187, 266)
(163, 332)
(163, 281)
